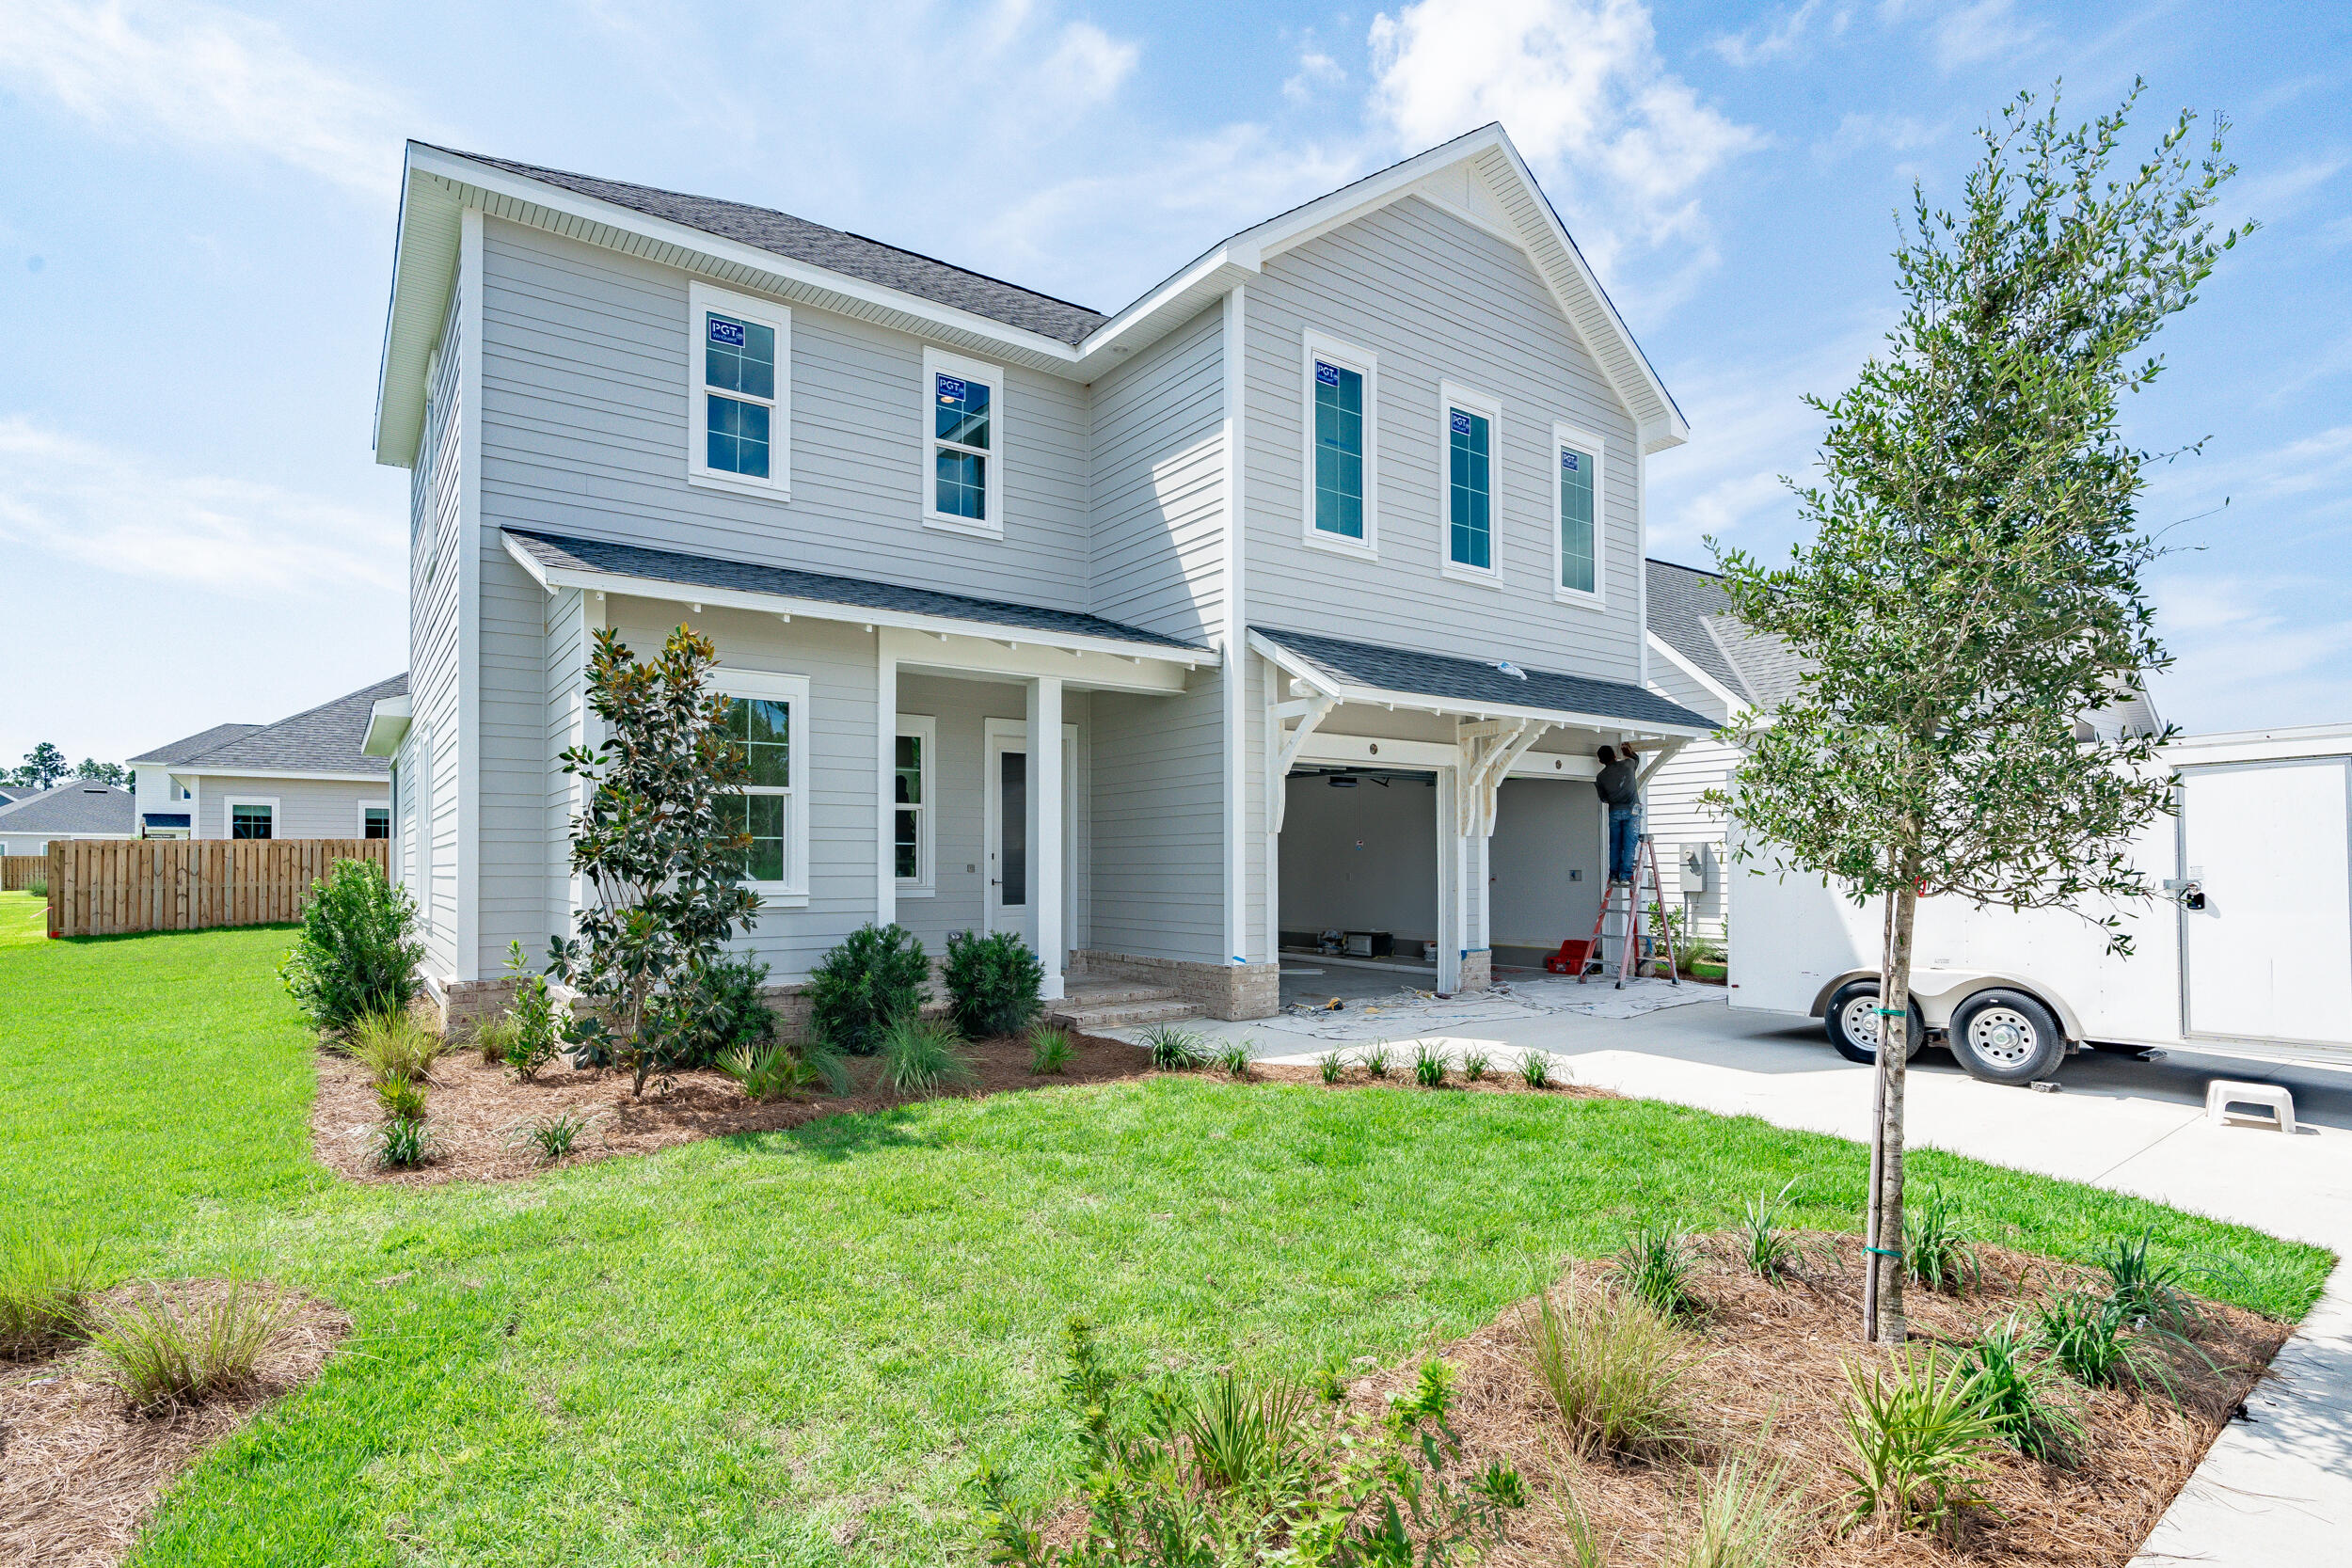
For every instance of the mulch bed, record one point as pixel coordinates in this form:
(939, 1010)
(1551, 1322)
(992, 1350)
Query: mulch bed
(79, 1476)
(1775, 1354)
(475, 1108)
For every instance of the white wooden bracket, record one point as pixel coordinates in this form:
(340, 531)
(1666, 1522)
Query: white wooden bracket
(1285, 739)
(1488, 750)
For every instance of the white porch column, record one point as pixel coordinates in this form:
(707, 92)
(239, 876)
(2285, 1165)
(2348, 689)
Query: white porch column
(1449, 900)
(885, 777)
(1045, 827)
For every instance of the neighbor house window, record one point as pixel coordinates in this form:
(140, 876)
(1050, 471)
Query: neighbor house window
(1469, 439)
(964, 446)
(739, 355)
(770, 807)
(1576, 471)
(251, 818)
(1340, 455)
(376, 821)
(911, 803)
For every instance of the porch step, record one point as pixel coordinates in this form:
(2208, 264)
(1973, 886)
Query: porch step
(1092, 1009)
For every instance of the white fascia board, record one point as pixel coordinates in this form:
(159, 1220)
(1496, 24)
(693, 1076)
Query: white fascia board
(387, 724)
(551, 578)
(1176, 301)
(1349, 202)
(1422, 701)
(1733, 707)
(317, 775)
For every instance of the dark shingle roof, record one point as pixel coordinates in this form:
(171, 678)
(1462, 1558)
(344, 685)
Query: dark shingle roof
(324, 739)
(74, 806)
(834, 249)
(562, 553)
(1473, 681)
(195, 745)
(1689, 610)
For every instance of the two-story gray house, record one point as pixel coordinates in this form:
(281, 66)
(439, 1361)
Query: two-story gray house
(1292, 597)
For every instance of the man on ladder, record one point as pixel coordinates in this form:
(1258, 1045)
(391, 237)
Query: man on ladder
(1620, 785)
(1631, 859)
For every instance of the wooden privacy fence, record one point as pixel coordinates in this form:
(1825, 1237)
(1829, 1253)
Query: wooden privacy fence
(18, 871)
(103, 887)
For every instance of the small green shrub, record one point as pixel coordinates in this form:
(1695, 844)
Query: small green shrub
(1766, 1246)
(38, 887)
(2100, 1342)
(1233, 1059)
(1332, 1065)
(551, 1137)
(496, 1037)
(1500, 1484)
(716, 1011)
(995, 984)
(1475, 1064)
(1244, 1437)
(777, 1070)
(1751, 1514)
(1656, 1267)
(46, 1284)
(163, 1356)
(406, 1142)
(401, 1099)
(2149, 1288)
(1615, 1368)
(874, 979)
(1172, 1050)
(1376, 1059)
(923, 1056)
(1938, 1246)
(396, 1045)
(356, 951)
(1535, 1070)
(2018, 1389)
(1049, 1050)
(1918, 1433)
(1429, 1065)
(533, 1025)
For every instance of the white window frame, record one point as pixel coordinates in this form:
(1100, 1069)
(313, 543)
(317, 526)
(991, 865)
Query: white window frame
(924, 882)
(700, 298)
(359, 814)
(773, 686)
(1565, 435)
(937, 362)
(229, 805)
(1452, 395)
(1316, 345)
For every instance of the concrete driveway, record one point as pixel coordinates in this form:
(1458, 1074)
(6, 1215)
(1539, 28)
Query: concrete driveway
(2275, 1490)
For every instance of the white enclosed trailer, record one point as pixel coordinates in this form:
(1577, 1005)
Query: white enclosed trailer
(2248, 952)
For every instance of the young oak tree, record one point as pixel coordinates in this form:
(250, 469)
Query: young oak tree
(1972, 590)
(663, 859)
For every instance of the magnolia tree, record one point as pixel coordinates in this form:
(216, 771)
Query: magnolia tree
(1972, 588)
(662, 857)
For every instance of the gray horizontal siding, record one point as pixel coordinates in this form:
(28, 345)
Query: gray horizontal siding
(1675, 815)
(1159, 824)
(306, 808)
(1157, 485)
(431, 772)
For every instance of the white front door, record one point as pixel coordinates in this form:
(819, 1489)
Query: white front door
(2270, 956)
(1010, 907)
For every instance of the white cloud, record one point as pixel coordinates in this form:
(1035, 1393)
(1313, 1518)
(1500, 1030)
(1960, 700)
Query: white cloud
(1778, 39)
(1087, 66)
(203, 77)
(2250, 651)
(1622, 144)
(1986, 31)
(116, 512)
(1316, 70)
(1857, 133)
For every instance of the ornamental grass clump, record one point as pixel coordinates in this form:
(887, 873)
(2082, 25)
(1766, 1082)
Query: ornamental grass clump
(45, 1286)
(1918, 1433)
(396, 1046)
(1615, 1368)
(404, 1142)
(551, 1137)
(922, 1056)
(164, 1352)
(1939, 1248)
(2148, 1288)
(780, 1069)
(1429, 1065)
(1535, 1070)
(1172, 1050)
(1049, 1050)
(2102, 1343)
(1235, 1059)
(2020, 1389)
(1332, 1065)
(995, 984)
(1767, 1246)
(1656, 1266)
(1750, 1512)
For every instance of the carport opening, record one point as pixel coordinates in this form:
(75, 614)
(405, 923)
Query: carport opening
(1359, 872)
(1543, 868)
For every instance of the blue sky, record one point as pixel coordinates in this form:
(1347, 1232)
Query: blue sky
(197, 210)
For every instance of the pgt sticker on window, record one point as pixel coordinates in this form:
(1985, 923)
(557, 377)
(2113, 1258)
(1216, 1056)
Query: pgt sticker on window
(1461, 422)
(727, 332)
(1571, 461)
(950, 389)
(1328, 375)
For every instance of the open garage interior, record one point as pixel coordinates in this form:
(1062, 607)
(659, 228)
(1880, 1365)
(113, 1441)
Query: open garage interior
(1545, 868)
(1360, 858)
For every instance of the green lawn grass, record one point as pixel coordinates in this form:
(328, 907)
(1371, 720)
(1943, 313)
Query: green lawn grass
(719, 1354)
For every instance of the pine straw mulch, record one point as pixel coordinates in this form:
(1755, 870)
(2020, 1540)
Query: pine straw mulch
(475, 1108)
(1774, 1356)
(79, 1476)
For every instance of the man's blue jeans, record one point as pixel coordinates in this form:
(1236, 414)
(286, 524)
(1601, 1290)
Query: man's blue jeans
(1625, 832)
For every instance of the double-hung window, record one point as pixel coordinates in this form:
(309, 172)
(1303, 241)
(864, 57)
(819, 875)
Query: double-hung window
(911, 848)
(1577, 553)
(739, 360)
(963, 445)
(375, 819)
(765, 718)
(1469, 468)
(250, 817)
(1338, 413)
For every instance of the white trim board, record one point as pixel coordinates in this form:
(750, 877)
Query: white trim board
(1421, 702)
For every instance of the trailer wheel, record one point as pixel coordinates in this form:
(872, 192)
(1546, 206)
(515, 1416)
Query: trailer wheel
(2006, 1036)
(1851, 1020)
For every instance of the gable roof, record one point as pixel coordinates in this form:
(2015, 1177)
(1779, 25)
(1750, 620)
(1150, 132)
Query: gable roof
(324, 739)
(1479, 175)
(1690, 613)
(195, 745)
(73, 806)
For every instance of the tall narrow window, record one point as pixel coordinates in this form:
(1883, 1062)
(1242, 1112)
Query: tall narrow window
(1467, 473)
(1340, 447)
(739, 355)
(1576, 473)
(911, 803)
(767, 808)
(963, 426)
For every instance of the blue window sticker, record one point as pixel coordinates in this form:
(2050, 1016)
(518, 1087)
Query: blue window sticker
(725, 331)
(1571, 461)
(950, 389)
(1328, 374)
(1461, 422)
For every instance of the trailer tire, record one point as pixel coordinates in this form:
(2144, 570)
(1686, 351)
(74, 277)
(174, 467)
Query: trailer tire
(2006, 1036)
(1853, 1026)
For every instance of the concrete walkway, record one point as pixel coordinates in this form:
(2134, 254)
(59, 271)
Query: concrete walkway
(2273, 1491)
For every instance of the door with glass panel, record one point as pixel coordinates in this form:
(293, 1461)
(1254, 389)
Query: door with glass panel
(1008, 907)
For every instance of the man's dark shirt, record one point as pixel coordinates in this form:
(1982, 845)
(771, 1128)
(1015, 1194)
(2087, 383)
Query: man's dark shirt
(1618, 783)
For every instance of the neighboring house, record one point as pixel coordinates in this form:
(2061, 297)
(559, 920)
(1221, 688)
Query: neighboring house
(1295, 595)
(303, 777)
(72, 808)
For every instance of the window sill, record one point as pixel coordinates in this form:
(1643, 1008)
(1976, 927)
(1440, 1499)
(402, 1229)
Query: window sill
(779, 898)
(1579, 598)
(1338, 543)
(767, 489)
(907, 890)
(966, 526)
(1459, 573)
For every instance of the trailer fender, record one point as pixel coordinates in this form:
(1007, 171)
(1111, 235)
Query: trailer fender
(1940, 993)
